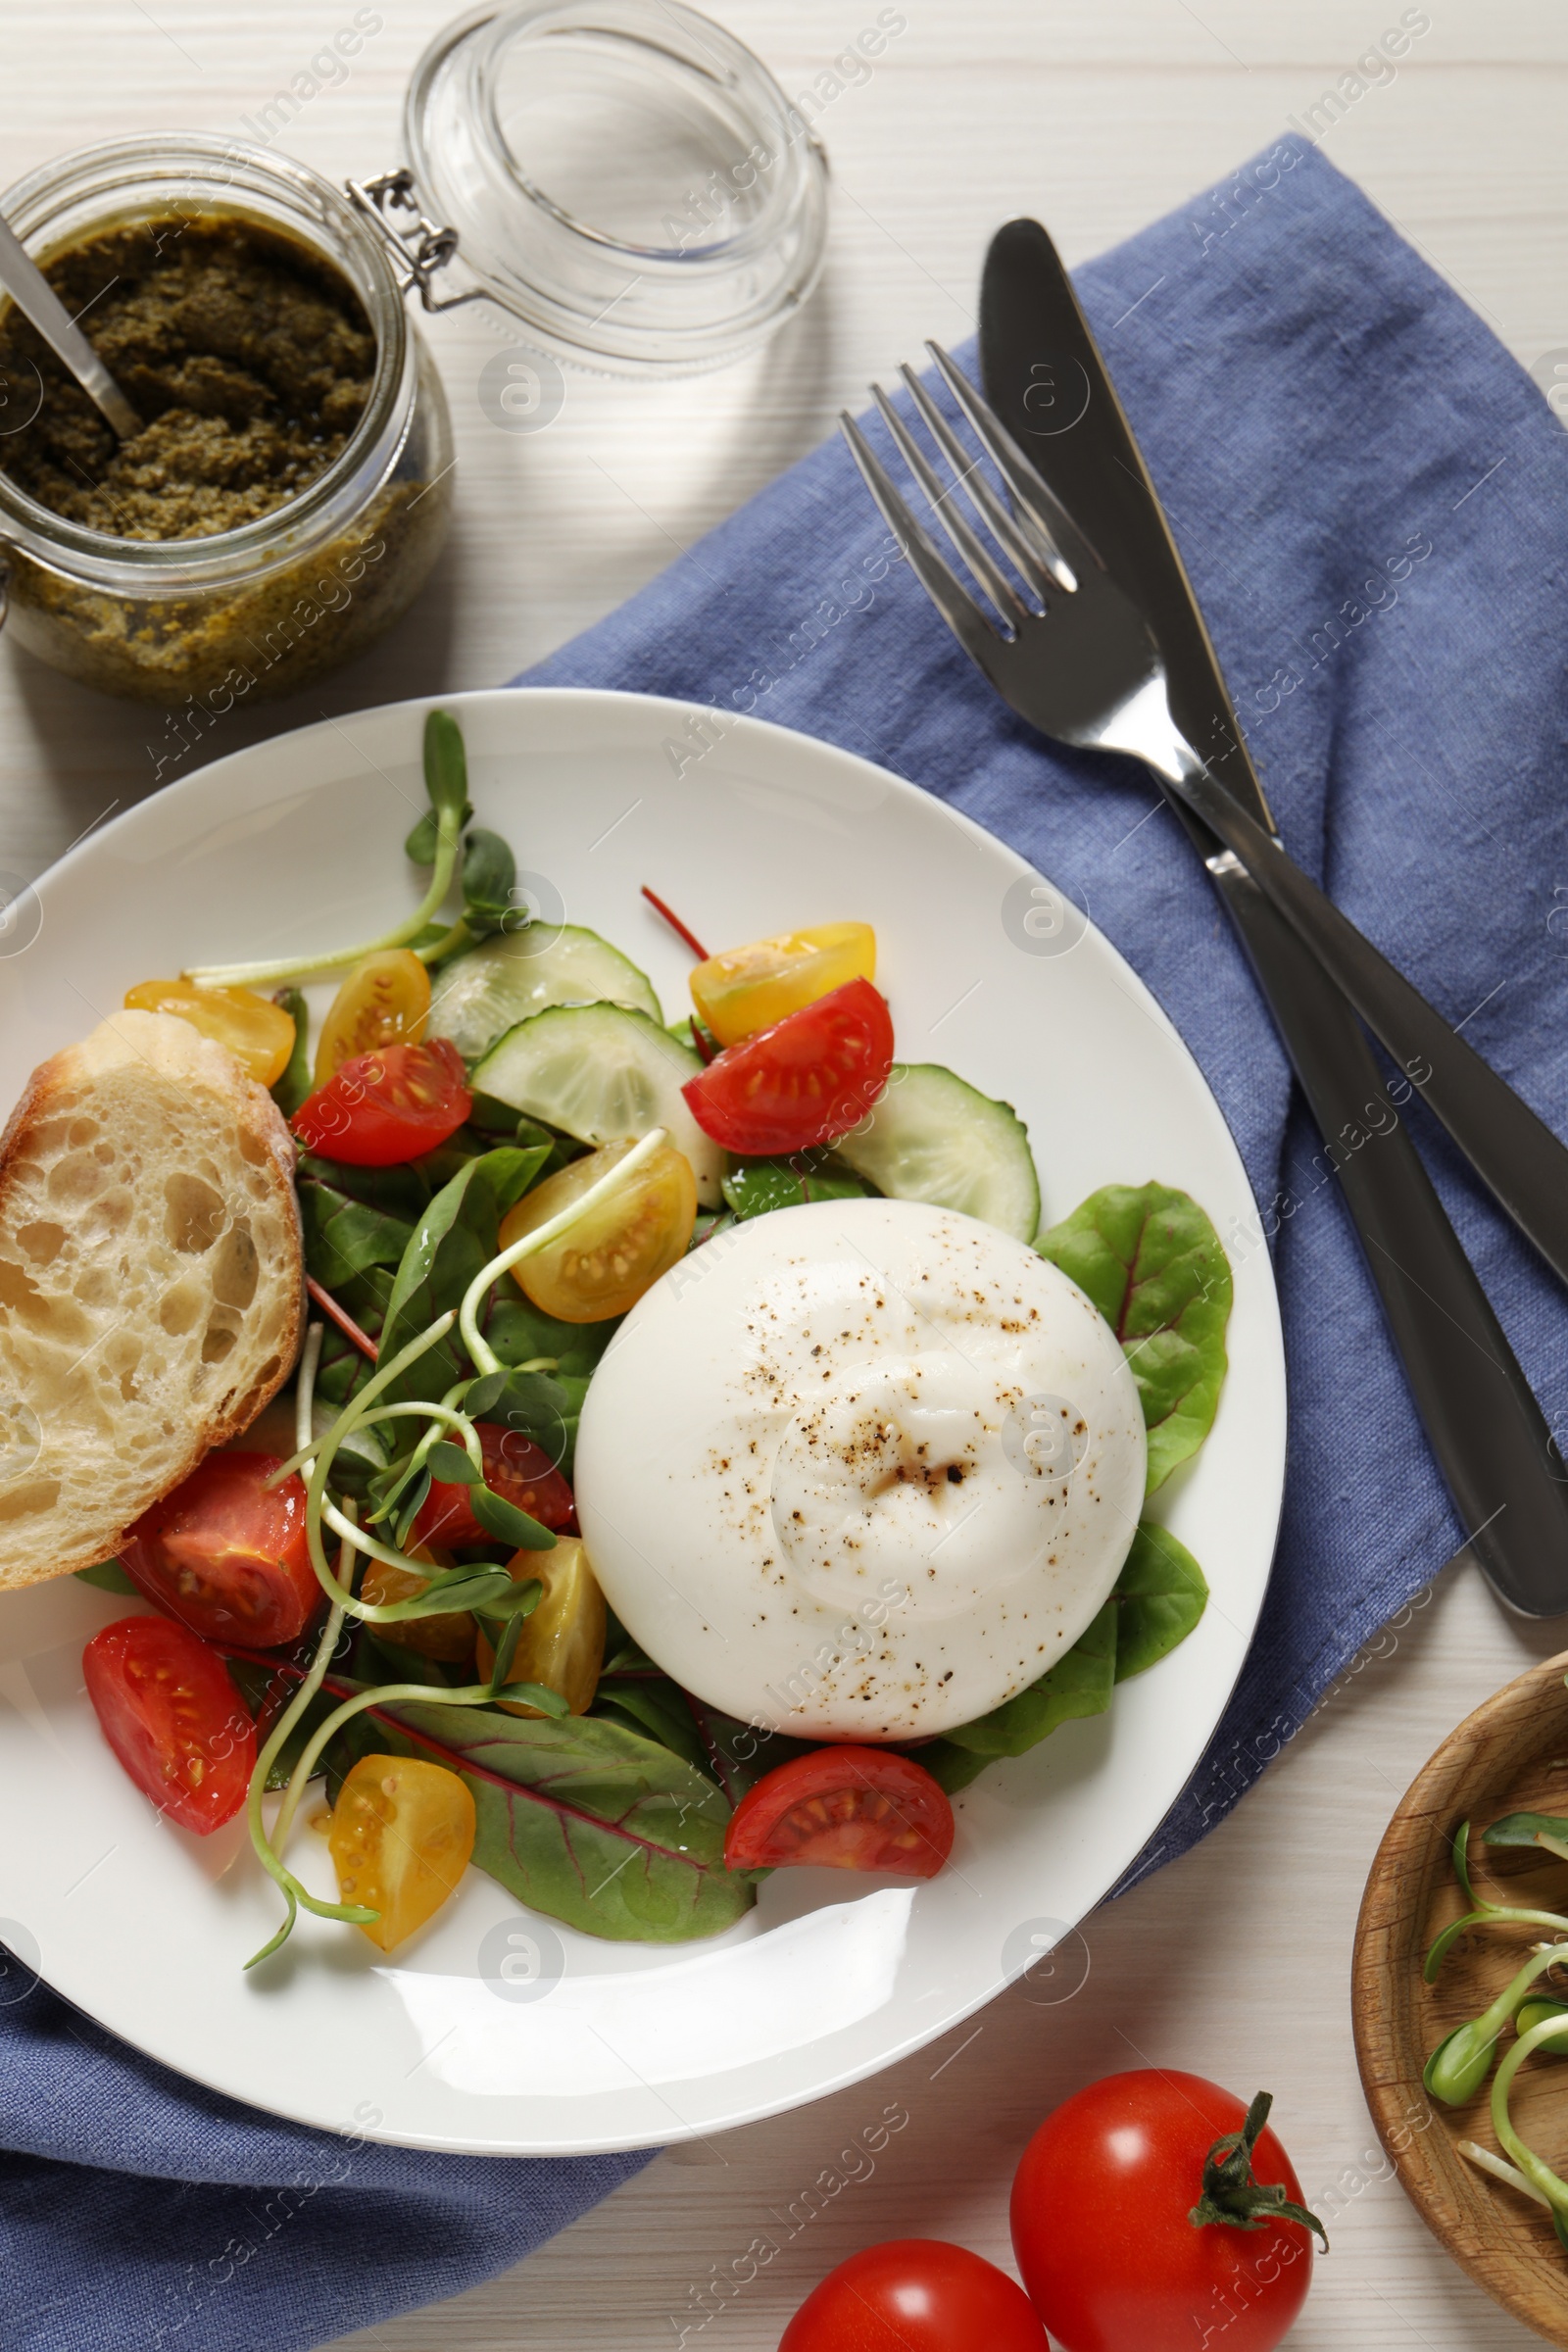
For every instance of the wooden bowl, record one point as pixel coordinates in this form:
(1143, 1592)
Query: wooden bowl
(1511, 1755)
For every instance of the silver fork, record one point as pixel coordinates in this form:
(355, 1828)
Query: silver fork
(1068, 651)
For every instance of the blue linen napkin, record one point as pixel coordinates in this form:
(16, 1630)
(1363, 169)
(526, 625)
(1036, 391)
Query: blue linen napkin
(1372, 503)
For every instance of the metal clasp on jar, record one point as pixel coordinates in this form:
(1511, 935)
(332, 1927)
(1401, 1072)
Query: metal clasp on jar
(420, 250)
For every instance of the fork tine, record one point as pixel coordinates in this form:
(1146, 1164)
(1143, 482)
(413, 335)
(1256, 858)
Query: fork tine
(992, 579)
(1041, 504)
(957, 609)
(1017, 535)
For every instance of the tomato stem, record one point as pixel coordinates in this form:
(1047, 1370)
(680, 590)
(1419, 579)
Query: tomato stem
(1231, 2195)
(676, 924)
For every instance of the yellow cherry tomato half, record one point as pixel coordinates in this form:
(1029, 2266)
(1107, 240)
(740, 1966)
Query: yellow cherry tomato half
(602, 1264)
(448, 1635)
(257, 1032)
(401, 1837)
(385, 1000)
(746, 988)
(562, 1643)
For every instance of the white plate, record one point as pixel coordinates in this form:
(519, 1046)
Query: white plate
(296, 843)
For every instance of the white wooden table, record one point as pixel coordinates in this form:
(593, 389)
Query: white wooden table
(1096, 114)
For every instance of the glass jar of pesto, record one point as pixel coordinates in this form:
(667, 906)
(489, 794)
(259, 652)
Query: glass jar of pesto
(293, 486)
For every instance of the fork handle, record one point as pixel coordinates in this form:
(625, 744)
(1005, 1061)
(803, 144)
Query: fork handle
(1487, 1432)
(1512, 1150)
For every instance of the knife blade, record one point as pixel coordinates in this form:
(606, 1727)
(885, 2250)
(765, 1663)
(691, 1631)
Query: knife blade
(1044, 377)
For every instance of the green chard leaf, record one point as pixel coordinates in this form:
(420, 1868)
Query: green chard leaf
(452, 1243)
(1079, 1684)
(579, 1817)
(343, 1236)
(294, 1086)
(649, 1702)
(1159, 1598)
(950, 1766)
(1161, 1595)
(544, 1405)
(755, 1186)
(519, 1331)
(108, 1576)
(1153, 1263)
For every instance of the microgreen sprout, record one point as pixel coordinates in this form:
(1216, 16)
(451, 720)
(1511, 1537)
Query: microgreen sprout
(447, 1447)
(1501, 2170)
(518, 1602)
(1461, 2064)
(1534, 2168)
(478, 1346)
(435, 842)
(1480, 1910)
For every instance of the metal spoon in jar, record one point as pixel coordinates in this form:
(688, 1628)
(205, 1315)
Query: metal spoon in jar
(35, 297)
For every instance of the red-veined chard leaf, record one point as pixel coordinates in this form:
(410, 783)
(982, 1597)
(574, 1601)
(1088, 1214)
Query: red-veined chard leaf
(1153, 1263)
(583, 1818)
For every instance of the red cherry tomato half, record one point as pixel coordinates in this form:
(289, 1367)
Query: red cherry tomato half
(174, 1718)
(1099, 2227)
(915, 2294)
(517, 1470)
(226, 1555)
(847, 1808)
(384, 1107)
(808, 1080)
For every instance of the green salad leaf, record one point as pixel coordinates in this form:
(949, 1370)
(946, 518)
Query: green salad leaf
(579, 1817)
(1161, 1595)
(1079, 1684)
(1159, 1598)
(452, 1243)
(108, 1576)
(1153, 1263)
(755, 1186)
(344, 1235)
(489, 877)
(520, 1332)
(544, 1405)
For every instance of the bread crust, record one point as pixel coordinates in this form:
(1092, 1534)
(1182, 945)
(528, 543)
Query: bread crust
(241, 1122)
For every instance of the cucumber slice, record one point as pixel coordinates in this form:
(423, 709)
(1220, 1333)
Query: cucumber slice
(602, 1072)
(481, 994)
(933, 1138)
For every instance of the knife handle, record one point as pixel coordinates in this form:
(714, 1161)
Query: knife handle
(1511, 1148)
(1489, 1434)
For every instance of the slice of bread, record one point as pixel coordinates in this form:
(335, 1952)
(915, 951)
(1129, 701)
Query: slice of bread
(151, 1282)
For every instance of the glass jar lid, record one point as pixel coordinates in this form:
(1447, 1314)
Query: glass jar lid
(623, 177)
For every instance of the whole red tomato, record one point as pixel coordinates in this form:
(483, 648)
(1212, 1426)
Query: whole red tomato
(1102, 2220)
(915, 2294)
